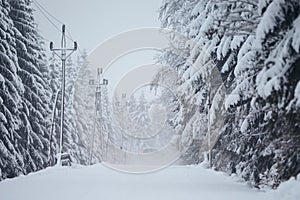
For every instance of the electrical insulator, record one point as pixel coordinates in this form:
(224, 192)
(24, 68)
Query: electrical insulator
(75, 46)
(51, 46)
(63, 28)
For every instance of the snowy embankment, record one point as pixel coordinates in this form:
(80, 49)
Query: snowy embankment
(100, 182)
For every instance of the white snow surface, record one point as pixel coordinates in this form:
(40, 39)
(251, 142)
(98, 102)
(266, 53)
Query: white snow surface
(175, 182)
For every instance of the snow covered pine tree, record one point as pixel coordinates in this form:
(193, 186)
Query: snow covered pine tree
(25, 94)
(255, 47)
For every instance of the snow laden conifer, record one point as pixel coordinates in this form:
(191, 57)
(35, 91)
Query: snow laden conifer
(138, 112)
(13, 131)
(25, 92)
(253, 46)
(84, 102)
(31, 61)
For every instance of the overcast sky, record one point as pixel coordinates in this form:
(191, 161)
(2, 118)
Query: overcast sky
(93, 21)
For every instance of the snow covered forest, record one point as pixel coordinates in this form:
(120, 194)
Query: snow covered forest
(235, 67)
(29, 84)
(241, 60)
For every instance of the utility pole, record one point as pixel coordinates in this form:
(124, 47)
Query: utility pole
(64, 54)
(52, 128)
(209, 128)
(98, 108)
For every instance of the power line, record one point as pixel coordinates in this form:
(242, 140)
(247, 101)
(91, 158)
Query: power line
(45, 38)
(71, 38)
(47, 15)
(56, 19)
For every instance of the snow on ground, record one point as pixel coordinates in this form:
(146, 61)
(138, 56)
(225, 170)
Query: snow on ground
(174, 183)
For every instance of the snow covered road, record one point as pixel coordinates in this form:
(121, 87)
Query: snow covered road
(98, 182)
